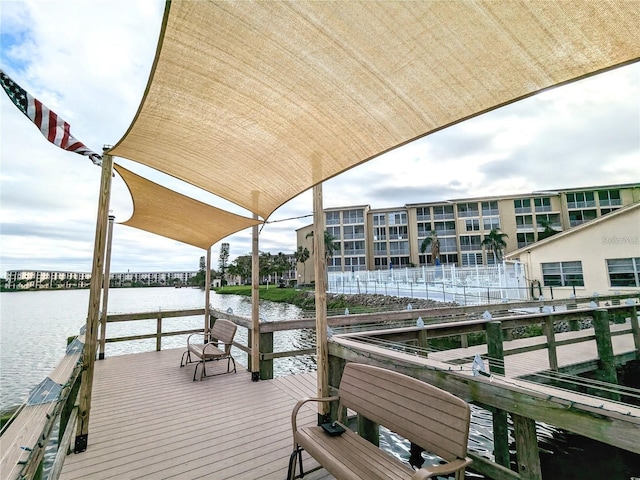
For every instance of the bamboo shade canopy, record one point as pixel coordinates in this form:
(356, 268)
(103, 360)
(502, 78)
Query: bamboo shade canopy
(258, 101)
(162, 211)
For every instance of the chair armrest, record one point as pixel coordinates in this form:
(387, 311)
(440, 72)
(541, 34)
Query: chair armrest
(450, 467)
(300, 403)
(196, 334)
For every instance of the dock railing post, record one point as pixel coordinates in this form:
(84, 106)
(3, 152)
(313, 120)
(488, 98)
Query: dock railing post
(635, 329)
(266, 346)
(495, 350)
(606, 363)
(551, 343)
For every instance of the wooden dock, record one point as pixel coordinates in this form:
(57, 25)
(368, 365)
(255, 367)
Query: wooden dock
(150, 420)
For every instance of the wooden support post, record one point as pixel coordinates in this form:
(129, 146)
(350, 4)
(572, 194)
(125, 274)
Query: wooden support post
(423, 343)
(207, 295)
(255, 305)
(551, 343)
(464, 341)
(91, 335)
(606, 363)
(527, 451)
(266, 346)
(635, 329)
(495, 350)
(336, 368)
(320, 269)
(105, 288)
(369, 430)
(159, 333)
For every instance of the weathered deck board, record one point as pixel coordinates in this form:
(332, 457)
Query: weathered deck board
(150, 420)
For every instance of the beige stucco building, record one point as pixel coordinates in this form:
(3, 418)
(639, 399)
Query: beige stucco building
(601, 256)
(377, 239)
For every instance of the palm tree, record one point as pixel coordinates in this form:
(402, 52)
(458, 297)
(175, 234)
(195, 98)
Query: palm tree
(548, 229)
(301, 256)
(495, 242)
(434, 243)
(329, 245)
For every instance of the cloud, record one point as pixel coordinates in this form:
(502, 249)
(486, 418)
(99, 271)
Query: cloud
(90, 63)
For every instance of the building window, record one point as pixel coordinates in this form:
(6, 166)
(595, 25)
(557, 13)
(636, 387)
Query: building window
(445, 228)
(443, 212)
(562, 274)
(380, 233)
(423, 213)
(470, 242)
(542, 204)
(379, 248)
(424, 229)
(578, 217)
(490, 208)
(353, 232)
(524, 222)
(471, 259)
(333, 218)
(580, 200)
(522, 205)
(609, 198)
(398, 218)
(354, 216)
(472, 225)
(398, 233)
(624, 272)
(379, 219)
(334, 232)
(490, 223)
(380, 263)
(525, 239)
(468, 210)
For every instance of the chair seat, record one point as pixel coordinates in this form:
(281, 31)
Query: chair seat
(350, 457)
(210, 353)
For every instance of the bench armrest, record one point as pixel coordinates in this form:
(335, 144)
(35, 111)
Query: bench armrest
(300, 403)
(450, 467)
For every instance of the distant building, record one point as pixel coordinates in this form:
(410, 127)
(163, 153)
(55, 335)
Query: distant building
(380, 239)
(36, 279)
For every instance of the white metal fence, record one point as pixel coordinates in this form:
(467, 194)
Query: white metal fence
(444, 283)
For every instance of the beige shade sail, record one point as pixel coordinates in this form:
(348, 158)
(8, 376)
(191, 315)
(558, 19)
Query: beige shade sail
(158, 210)
(258, 101)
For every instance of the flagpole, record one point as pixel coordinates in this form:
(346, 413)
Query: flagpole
(91, 334)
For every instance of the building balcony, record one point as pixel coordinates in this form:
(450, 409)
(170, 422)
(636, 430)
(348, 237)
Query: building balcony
(403, 251)
(614, 202)
(355, 251)
(492, 212)
(423, 218)
(443, 216)
(353, 236)
(543, 208)
(472, 247)
(523, 210)
(586, 204)
(469, 213)
(444, 233)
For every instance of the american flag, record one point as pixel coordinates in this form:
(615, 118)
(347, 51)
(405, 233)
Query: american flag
(54, 128)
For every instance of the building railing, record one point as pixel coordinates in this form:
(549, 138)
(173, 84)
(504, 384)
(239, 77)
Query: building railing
(520, 210)
(613, 202)
(582, 204)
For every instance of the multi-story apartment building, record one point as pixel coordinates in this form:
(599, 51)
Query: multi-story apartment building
(27, 279)
(373, 239)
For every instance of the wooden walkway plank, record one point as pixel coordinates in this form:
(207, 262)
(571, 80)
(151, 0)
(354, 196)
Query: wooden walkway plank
(150, 420)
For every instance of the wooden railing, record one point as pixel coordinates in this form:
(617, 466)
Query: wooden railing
(612, 423)
(24, 440)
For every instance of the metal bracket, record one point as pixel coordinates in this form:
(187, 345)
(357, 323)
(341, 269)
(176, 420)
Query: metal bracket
(45, 392)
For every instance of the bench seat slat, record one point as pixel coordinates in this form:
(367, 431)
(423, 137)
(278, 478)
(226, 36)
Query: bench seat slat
(350, 457)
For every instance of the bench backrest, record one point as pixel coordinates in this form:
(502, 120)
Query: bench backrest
(432, 418)
(223, 331)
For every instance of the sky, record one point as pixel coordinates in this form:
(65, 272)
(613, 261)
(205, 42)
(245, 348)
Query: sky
(89, 62)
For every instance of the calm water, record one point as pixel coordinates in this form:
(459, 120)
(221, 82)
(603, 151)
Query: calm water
(34, 327)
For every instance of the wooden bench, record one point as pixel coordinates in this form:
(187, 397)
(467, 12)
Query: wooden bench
(222, 331)
(429, 417)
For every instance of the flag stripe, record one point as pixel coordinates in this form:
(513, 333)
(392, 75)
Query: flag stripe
(53, 127)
